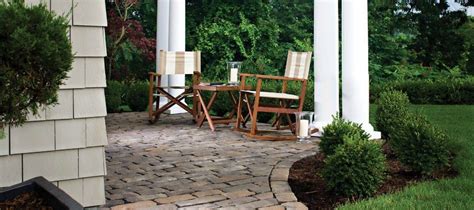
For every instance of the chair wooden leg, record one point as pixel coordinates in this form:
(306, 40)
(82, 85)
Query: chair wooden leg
(275, 121)
(157, 107)
(176, 100)
(239, 112)
(256, 103)
(195, 106)
(290, 124)
(151, 90)
(249, 108)
(253, 129)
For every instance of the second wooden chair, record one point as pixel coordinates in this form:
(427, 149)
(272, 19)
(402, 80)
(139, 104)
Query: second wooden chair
(297, 69)
(173, 63)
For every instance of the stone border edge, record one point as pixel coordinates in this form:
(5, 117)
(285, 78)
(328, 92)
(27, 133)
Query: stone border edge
(279, 181)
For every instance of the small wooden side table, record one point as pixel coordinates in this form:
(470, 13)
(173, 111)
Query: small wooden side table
(206, 107)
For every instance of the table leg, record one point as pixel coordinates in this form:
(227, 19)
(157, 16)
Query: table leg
(236, 107)
(205, 109)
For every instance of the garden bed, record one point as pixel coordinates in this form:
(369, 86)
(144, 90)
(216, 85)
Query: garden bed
(309, 187)
(26, 200)
(36, 193)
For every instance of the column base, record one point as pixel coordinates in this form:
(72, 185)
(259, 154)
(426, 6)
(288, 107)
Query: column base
(162, 102)
(367, 127)
(375, 135)
(177, 110)
(173, 110)
(370, 130)
(319, 126)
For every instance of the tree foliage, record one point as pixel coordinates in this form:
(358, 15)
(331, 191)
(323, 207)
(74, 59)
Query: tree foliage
(415, 39)
(131, 53)
(407, 39)
(437, 43)
(250, 31)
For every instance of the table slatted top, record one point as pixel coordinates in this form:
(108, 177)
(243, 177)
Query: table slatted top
(216, 87)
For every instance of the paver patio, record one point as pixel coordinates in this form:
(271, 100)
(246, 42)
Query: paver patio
(173, 164)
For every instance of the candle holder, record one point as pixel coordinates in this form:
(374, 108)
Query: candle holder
(304, 121)
(233, 72)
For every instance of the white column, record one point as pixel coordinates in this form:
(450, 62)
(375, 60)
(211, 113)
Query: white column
(162, 38)
(355, 64)
(177, 42)
(326, 68)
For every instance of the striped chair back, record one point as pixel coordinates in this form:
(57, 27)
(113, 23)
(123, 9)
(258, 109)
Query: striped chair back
(297, 64)
(179, 62)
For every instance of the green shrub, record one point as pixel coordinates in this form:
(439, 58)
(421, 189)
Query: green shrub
(357, 168)
(114, 94)
(137, 96)
(420, 146)
(334, 133)
(439, 91)
(35, 56)
(392, 111)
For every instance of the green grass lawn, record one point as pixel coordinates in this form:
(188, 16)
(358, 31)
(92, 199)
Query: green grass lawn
(457, 193)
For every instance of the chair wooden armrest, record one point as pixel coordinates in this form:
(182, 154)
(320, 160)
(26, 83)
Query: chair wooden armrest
(153, 73)
(246, 75)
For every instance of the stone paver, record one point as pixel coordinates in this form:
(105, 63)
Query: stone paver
(174, 199)
(137, 205)
(175, 165)
(278, 207)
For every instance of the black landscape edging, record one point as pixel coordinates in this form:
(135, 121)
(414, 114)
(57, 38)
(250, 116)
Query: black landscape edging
(54, 196)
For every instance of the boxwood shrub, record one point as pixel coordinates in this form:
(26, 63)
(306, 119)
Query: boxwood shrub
(439, 91)
(420, 146)
(334, 133)
(137, 96)
(114, 94)
(357, 167)
(392, 111)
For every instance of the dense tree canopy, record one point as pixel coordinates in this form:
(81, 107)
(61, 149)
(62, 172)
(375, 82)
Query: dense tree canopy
(256, 32)
(407, 39)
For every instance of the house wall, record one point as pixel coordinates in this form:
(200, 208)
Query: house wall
(65, 143)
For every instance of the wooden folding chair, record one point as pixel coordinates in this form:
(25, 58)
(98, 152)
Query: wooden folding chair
(173, 63)
(297, 69)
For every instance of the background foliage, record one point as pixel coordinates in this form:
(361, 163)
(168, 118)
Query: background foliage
(130, 39)
(408, 40)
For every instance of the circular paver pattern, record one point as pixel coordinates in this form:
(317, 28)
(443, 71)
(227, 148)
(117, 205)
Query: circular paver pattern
(173, 164)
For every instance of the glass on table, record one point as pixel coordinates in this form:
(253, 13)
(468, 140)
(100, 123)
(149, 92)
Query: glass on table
(233, 71)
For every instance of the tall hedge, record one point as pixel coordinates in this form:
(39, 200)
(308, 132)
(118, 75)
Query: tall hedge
(439, 91)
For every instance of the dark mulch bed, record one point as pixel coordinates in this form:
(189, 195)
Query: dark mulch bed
(310, 188)
(28, 201)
